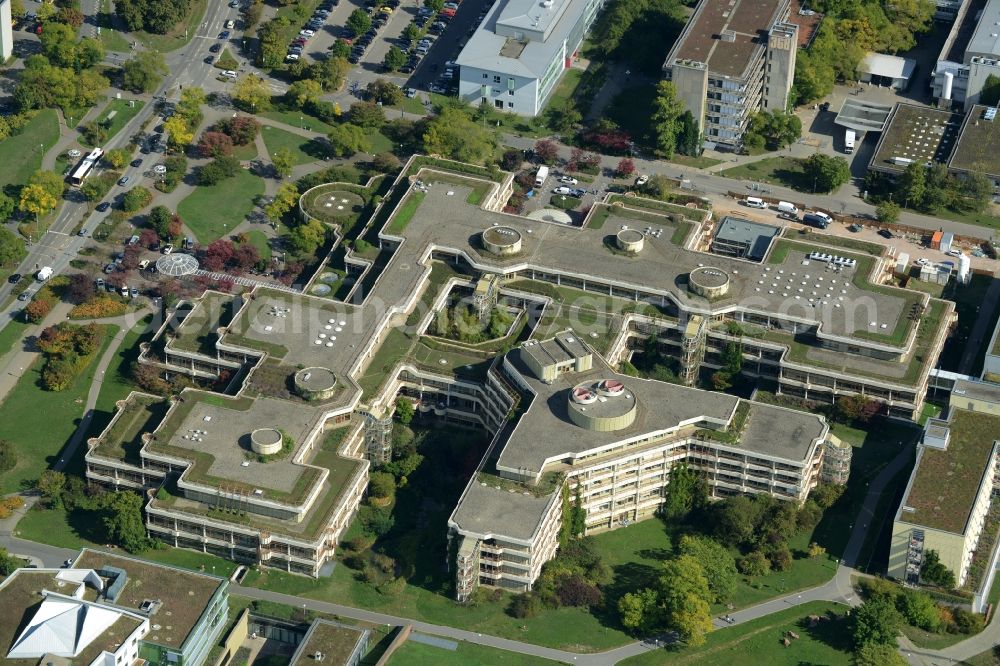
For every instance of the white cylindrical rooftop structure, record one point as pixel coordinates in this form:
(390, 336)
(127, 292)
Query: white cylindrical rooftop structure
(502, 241)
(630, 240)
(949, 81)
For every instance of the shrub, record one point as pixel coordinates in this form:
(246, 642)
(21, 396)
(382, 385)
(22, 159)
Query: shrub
(10, 504)
(36, 310)
(99, 307)
(754, 564)
(780, 557)
(524, 606)
(968, 623)
(577, 591)
(136, 199)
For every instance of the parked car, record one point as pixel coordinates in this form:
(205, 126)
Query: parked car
(885, 233)
(230, 74)
(125, 290)
(923, 262)
(855, 228)
(562, 190)
(136, 163)
(641, 180)
(209, 59)
(578, 192)
(168, 248)
(123, 180)
(103, 206)
(15, 278)
(23, 296)
(224, 34)
(954, 253)
(569, 180)
(292, 56)
(134, 292)
(99, 283)
(215, 48)
(144, 264)
(109, 268)
(306, 33)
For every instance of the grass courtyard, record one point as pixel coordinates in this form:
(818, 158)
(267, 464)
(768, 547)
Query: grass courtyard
(465, 654)
(122, 114)
(21, 154)
(785, 171)
(213, 211)
(37, 448)
(760, 641)
(303, 150)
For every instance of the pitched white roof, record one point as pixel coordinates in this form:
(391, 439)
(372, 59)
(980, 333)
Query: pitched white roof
(62, 627)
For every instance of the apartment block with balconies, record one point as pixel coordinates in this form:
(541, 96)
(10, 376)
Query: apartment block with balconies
(731, 60)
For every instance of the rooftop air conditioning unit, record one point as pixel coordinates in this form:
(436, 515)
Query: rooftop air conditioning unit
(318, 656)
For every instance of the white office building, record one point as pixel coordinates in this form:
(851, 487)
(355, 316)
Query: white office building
(516, 57)
(963, 67)
(6, 31)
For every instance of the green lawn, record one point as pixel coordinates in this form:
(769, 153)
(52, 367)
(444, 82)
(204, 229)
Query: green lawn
(39, 447)
(212, 211)
(182, 33)
(21, 154)
(303, 150)
(786, 171)
(411, 105)
(12, 334)
(112, 39)
(123, 113)
(466, 654)
(760, 641)
(990, 657)
(931, 640)
(299, 119)
(260, 241)
(245, 153)
(56, 528)
(380, 143)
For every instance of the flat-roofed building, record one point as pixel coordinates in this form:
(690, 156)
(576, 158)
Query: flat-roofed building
(733, 59)
(948, 496)
(517, 55)
(111, 609)
(743, 239)
(6, 30)
(971, 54)
(332, 643)
(916, 135)
(977, 149)
(614, 440)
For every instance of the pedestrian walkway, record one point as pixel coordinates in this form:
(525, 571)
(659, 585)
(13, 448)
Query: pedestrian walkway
(245, 281)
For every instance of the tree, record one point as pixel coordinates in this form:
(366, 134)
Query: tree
(283, 160)
(454, 135)
(332, 70)
(218, 170)
(394, 59)
(546, 151)
(383, 91)
(50, 485)
(123, 521)
(359, 21)
(381, 485)
(919, 610)
(7, 207)
(36, 200)
(143, 73)
(80, 288)
(307, 237)
(285, 199)
(12, 249)
(435, 5)
(935, 572)
(215, 144)
(342, 50)
(816, 550)
(876, 621)
(777, 128)
(252, 94)
(685, 492)
(913, 184)
(178, 132)
(873, 654)
(136, 199)
(827, 173)
(346, 139)
(625, 168)
(71, 16)
(638, 611)
(246, 256)
(525, 605)
(50, 180)
(303, 93)
(718, 563)
(688, 137)
(977, 189)
(241, 129)
(754, 563)
(665, 117)
(367, 115)
(990, 95)
(117, 157)
(856, 409)
(36, 311)
(159, 220)
(404, 410)
(157, 16)
(684, 597)
(887, 212)
(385, 163)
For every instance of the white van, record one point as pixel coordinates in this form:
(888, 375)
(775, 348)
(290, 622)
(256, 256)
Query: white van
(785, 207)
(849, 139)
(754, 202)
(541, 176)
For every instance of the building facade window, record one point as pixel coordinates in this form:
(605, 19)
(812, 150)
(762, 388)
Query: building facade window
(496, 79)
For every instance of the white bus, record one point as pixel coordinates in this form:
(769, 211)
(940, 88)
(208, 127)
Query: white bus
(85, 167)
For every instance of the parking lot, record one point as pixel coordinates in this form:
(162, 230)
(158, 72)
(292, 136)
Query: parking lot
(448, 44)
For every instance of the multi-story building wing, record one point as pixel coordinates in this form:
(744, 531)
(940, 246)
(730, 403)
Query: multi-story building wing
(971, 54)
(612, 441)
(733, 58)
(518, 54)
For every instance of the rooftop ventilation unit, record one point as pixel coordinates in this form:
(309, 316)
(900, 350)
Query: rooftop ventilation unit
(728, 36)
(991, 113)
